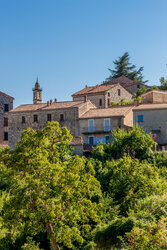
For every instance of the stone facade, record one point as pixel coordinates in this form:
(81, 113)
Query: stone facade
(37, 116)
(102, 97)
(154, 96)
(6, 104)
(153, 119)
(96, 125)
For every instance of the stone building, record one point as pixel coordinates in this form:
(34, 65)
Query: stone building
(151, 115)
(103, 95)
(37, 115)
(127, 83)
(96, 124)
(6, 104)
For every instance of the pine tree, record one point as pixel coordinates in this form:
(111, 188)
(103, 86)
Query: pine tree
(124, 68)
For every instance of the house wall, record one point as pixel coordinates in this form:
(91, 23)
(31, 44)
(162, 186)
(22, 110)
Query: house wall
(134, 88)
(110, 95)
(148, 98)
(99, 132)
(153, 120)
(4, 99)
(128, 119)
(16, 127)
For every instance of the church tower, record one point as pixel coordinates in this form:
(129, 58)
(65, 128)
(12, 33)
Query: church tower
(37, 93)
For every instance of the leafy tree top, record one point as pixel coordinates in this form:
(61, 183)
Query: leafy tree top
(123, 67)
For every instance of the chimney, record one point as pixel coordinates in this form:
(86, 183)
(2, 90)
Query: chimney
(86, 86)
(55, 99)
(51, 101)
(85, 98)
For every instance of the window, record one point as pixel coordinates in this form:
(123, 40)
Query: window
(163, 148)
(61, 117)
(5, 122)
(6, 107)
(5, 136)
(138, 86)
(35, 118)
(91, 125)
(119, 92)
(106, 125)
(108, 94)
(100, 102)
(49, 117)
(108, 102)
(107, 138)
(23, 119)
(140, 118)
(91, 140)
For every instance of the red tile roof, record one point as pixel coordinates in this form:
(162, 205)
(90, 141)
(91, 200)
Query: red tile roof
(107, 112)
(123, 80)
(151, 106)
(44, 106)
(92, 90)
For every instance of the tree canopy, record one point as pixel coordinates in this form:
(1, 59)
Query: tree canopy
(123, 67)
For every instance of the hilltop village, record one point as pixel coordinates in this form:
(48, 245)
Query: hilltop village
(90, 117)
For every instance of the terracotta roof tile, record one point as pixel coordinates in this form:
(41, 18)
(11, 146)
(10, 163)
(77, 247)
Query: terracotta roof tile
(151, 106)
(44, 106)
(123, 80)
(96, 89)
(107, 112)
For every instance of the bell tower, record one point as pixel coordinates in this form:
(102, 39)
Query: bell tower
(37, 93)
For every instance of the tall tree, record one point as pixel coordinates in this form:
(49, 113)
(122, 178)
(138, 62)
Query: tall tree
(163, 82)
(124, 68)
(51, 191)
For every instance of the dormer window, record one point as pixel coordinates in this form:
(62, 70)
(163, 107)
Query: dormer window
(6, 107)
(61, 117)
(119, 92)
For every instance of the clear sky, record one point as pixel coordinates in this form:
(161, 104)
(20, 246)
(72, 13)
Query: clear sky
(71, 43)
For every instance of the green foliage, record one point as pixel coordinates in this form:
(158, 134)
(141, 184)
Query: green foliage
(153, 237)
(30, 245)
(51, 191)
(113, 104)
(124, 68)
(125, 102)
(133, 142)
(145, 90)
(163, 82)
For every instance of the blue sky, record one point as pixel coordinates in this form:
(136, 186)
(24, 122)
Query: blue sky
(71, 43)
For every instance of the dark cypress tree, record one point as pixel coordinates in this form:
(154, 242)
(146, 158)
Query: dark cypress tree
(124, 68)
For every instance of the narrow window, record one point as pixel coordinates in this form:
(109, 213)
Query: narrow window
(100, 102)
(23, 119)
(138, 86)
(5, 122)
(49, 117)
(91, 140)
(6, 107)
(5, 136)
(61, 117)
(140, 118)
(119, 92)
(108, 93)
(35, 118)
(108, 102)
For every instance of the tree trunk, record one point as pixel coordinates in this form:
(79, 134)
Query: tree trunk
(52, 240)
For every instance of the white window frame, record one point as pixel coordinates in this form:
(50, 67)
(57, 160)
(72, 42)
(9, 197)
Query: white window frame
(109, 128)
(90, 129)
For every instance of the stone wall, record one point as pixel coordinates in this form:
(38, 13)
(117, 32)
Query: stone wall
(4, 99)
(16, 127)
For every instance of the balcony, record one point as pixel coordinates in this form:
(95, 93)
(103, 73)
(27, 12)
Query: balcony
(96, 130)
